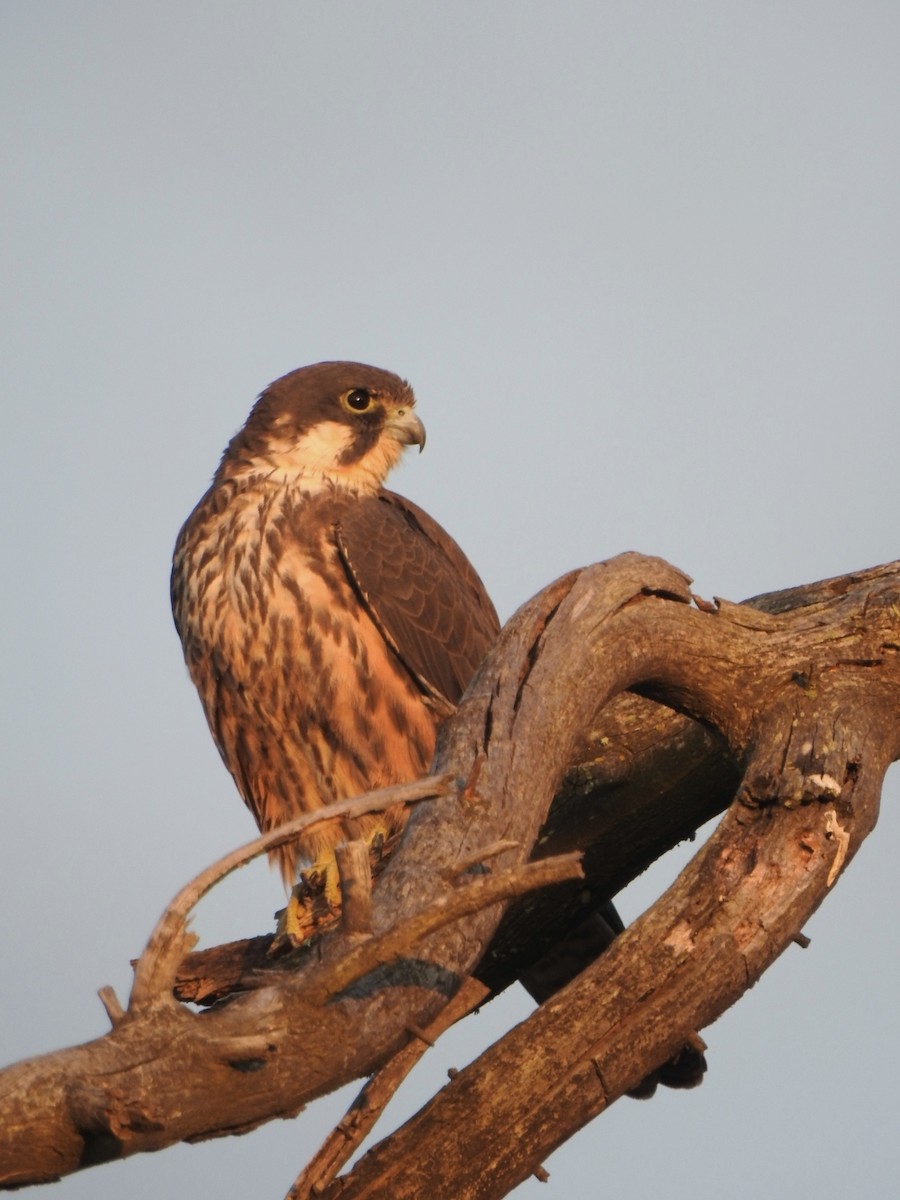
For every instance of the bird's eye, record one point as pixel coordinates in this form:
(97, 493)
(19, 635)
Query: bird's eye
(358, 400)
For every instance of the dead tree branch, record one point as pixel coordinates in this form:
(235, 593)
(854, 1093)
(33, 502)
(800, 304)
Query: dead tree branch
(735, 908)
(805, 702)
(154, 972)
(368, 1106)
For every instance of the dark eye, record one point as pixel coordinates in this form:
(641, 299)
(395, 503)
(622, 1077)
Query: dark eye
(358, 400)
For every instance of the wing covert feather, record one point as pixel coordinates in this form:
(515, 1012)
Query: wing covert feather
(420, 589)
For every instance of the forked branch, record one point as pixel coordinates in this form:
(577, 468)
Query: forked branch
(806, 700)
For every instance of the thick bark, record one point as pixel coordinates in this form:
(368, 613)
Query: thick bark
(805, 701)
(645, 778)
(735, 908)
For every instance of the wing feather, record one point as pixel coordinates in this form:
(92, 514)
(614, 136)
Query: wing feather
(421, 591)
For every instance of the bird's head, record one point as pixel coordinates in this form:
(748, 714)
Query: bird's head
(341, 423)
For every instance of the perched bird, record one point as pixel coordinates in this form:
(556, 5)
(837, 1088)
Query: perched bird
(328, 624)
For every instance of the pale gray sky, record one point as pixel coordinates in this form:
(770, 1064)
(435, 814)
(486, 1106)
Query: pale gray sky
(640, 262)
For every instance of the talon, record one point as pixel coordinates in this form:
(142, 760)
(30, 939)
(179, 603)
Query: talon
(315, 901)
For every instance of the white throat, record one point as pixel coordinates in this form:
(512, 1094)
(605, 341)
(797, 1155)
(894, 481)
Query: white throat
(314, 461)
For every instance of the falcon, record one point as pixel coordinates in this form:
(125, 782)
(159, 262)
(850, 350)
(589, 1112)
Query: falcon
(328, 624)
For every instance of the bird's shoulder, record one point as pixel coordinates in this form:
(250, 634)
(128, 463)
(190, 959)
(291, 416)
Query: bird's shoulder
(420, 588)
(325, 545)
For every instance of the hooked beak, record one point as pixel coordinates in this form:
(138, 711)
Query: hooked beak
(405, 426)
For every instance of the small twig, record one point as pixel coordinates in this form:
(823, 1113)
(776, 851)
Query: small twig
(469, 794)
(160, 959)
(465, 864)
(355, 873)
(354, 1128)
(111, 1003)
(476, 893)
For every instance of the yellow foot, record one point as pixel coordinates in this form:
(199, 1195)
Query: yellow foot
(315, 902)
(313, 907)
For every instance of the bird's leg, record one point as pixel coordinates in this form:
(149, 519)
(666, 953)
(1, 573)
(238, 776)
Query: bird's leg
(314, 904)
(315, 901)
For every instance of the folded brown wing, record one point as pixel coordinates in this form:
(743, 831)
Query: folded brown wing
(421, 591)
